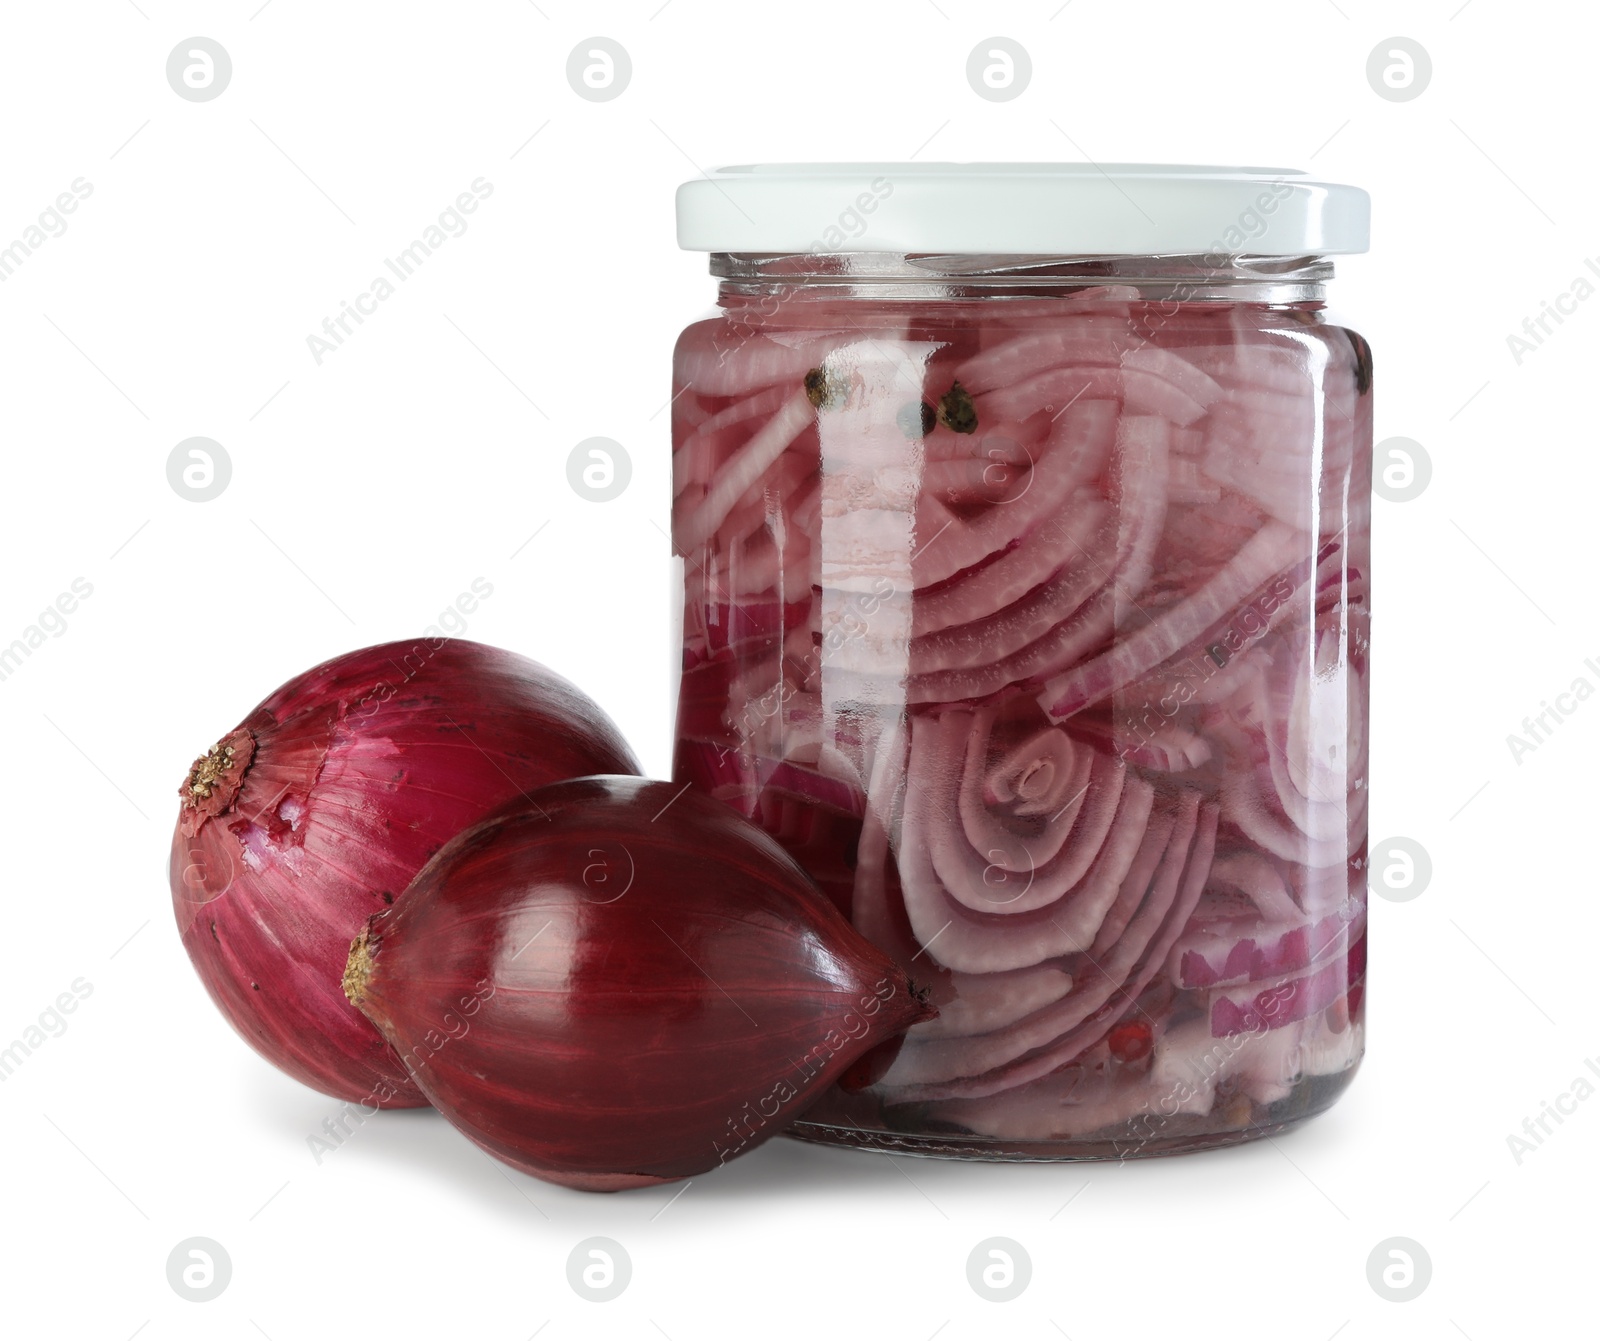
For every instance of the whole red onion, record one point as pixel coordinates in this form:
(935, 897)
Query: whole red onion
(322, 804)
(619, 982)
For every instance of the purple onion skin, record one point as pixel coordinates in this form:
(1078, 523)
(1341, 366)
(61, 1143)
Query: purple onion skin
(341, 785)
(620, 982)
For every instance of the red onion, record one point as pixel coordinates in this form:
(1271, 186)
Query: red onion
(320, 807)
(619, 982)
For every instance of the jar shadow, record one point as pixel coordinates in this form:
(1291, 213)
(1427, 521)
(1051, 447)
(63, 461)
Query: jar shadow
(419, 1144)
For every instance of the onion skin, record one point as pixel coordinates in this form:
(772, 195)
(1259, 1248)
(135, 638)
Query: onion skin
(338, 788)
(620, 982)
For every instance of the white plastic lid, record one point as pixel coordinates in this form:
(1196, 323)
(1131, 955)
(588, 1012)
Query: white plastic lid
(1069, 209)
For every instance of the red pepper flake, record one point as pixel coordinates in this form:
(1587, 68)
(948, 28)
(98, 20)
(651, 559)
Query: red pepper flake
(1130, 1042)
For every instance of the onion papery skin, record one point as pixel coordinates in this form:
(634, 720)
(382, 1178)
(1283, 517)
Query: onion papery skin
(345, 781)
(618, 982)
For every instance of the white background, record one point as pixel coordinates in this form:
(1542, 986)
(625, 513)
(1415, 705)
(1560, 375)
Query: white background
(369, 491)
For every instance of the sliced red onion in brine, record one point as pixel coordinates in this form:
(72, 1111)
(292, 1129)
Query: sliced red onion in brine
(1053, 613)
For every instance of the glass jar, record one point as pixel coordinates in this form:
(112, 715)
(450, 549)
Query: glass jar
(1024, 514)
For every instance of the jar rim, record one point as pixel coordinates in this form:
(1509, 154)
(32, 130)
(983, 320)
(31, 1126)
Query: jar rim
(1273, 280)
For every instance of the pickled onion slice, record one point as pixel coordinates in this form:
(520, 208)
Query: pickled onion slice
(1258, 1005)
(971, 1058)
(1101, 994)
(1274, 548)
(702, 453)
(1213, 954)
(1052, 391)
(1260, 881)
(972, 942)
(751, 462)
(1142, 494)
(1280, 792)
(1118, 555)
(1064, 543)
(948, 542)
(986, 855)
(984, 1002)
(741, 781)
(715, 366)
(1172, 368)
(1078, 341)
